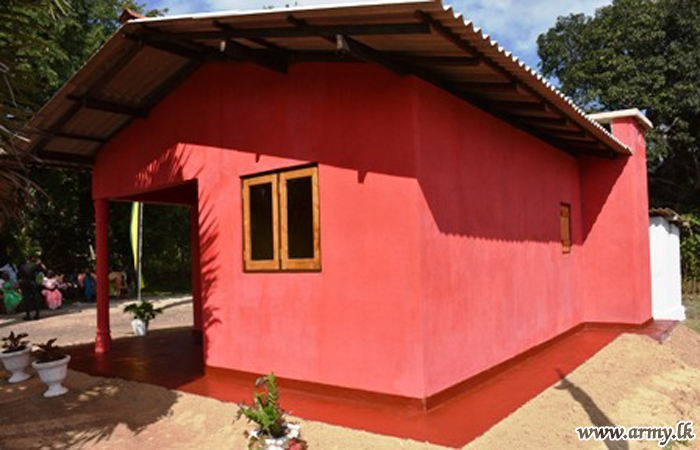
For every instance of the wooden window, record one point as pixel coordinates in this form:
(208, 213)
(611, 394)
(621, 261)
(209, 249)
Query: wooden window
(261, 223)
(300, 236)
(281, 221)
(565, 219)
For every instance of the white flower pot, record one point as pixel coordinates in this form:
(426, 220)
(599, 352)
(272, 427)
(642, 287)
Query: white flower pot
(139, 326)
(16, 363)
(53, 373)
(278, 443)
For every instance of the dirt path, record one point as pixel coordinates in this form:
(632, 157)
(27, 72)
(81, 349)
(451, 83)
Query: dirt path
(76, 323)
(101, 413)
(635, 381)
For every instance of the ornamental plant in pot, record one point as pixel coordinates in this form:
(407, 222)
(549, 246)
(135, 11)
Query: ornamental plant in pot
(272, 432)
(52, 366)
(16, 356)
(143, 313)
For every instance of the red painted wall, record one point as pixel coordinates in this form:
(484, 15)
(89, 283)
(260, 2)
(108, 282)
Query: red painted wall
(616, 232)
(495, 279)
(439, 224)
(354, 324)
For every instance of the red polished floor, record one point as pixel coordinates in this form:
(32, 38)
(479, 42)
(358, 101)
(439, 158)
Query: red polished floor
(171, 359)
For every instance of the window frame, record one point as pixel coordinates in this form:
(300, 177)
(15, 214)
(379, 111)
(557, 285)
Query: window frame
(281, 261)
(307, 264)
(249, 264)
(566, 245)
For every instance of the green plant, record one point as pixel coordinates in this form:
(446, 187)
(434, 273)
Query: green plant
(266, 411)
(48, 352)
(144, 311)
(14, 342)
(690, 247)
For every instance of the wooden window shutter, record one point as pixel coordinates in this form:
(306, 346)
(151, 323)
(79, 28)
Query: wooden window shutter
(565, 219)
(300, 233)
(261, 223)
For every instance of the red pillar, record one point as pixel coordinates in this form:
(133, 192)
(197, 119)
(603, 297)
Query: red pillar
(103, 339)
(196, 270)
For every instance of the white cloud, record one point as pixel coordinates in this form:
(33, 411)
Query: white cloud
(515, 24)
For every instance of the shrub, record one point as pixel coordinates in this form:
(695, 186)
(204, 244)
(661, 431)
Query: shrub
(48, 352)
(266, 411)
(690, 247)
(144, 311)
(14, 342)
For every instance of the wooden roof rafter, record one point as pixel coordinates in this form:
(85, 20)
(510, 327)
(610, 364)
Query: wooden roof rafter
(475, 90)
(302, 31)
(419, 38)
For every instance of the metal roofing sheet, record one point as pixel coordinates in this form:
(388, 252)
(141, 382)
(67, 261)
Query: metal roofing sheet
(126, 77)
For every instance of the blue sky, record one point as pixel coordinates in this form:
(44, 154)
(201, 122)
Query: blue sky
(515, 24)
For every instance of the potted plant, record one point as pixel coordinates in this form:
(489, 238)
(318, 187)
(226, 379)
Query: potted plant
(52, 366)
(273, 432)
(16, 356)
(143, 313)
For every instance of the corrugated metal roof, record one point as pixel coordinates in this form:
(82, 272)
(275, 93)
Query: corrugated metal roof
(147, 58)
(667, 213)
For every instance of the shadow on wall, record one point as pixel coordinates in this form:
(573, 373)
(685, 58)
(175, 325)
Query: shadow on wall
(185, 191)
(485, 179)
(461, 204)
(209, 266)
(598, 177)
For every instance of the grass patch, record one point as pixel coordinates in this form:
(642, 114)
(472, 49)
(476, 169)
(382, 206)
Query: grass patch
(692, 311)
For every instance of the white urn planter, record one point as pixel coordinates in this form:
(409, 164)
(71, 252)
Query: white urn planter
(140, 327)
(52, 374)
(16, 363)
(282, 443)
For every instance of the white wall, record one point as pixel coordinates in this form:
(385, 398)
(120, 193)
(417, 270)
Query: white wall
(666, 291)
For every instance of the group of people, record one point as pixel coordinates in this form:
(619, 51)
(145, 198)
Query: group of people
(32, 282)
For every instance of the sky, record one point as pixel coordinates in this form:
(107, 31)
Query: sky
(515, 24)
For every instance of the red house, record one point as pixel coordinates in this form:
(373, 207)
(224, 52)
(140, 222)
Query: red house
(382, 198)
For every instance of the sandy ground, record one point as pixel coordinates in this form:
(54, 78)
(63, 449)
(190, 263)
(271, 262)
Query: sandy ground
(76, 323)
(634, 381)
(101, 413)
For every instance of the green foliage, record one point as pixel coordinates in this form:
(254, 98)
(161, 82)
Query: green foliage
(51, 40)
(24, 34)
(49, 352)
(690, 247)
(59, 223)
(25, 28)
(14, 342)
(85, 27)
(644, 54)
(144, 311)
(266, 411)
(166, 245)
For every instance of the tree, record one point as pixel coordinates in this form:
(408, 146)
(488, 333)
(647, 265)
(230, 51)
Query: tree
(24, 26)
(86, 25)
(644, 54)
(56, 214)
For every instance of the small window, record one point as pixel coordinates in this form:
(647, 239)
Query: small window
(281, 221)
(565, 219)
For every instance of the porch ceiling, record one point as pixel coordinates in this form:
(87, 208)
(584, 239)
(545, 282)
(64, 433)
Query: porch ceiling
(147, 58)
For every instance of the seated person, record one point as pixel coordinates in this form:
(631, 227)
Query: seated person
(11, 297)
(51, 291)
